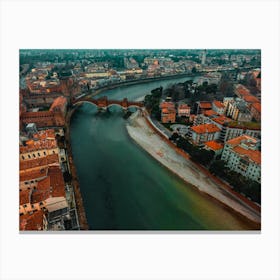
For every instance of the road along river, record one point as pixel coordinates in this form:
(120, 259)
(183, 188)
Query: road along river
(124, 188)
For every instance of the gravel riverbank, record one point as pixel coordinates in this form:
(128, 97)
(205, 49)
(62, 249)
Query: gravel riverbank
(150, 141)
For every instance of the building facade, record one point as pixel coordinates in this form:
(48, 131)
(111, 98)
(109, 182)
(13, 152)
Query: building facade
(241, 155)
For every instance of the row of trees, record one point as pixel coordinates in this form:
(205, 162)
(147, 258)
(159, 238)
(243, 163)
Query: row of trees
(151, 102)
(218, 167)
(197, 154)
(240, 183)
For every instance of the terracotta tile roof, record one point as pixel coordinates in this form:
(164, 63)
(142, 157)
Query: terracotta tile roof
(205, 128)
(24, 197)
(253, 155)
(257, 106)
(205, 105)
(51, 186)
(60, 102)
(250, 99)
(57, 181)
(221, 120)
(27, 175)
(242, 90)
(44, 134)
(211, 112)
(32, 221)
(42, 191)
(214, 145)
(168, 111)
(218, 104)
(167, 105)
(238, 140)
(38, 145)
(44, 161)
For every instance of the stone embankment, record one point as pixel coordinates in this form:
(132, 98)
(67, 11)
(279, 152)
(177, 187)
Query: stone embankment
(145, 134)
(75, 183)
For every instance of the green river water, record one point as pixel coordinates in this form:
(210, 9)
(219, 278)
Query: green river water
(123, 188)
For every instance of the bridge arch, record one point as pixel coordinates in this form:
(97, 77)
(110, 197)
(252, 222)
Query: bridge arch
(80, 102)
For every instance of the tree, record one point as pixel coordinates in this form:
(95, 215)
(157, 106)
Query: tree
(218, 167)
(194, 70)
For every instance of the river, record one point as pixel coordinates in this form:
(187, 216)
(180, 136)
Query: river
(123, 188)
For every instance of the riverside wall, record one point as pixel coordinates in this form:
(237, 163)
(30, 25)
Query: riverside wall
(75, 182)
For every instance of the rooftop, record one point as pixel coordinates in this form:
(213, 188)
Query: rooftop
(241, 139)
(221, 120)
(218, 104)
(36, 162)
(253, 155)
(60, 101)
(167, 105)
(257, 106)
(214, 145)
(51, 186)
(242, 90)
(205, 105)
(250, 99)
(210, 112)
(24, 197)
(205, 128)
(27, 175)
(32, 221)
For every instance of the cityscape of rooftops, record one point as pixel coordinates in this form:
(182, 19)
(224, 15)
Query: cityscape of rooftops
(140, 139)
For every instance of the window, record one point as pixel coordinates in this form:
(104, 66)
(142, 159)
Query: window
(53, 152)
(24, 205)
(22, 157)
(44, 153)
(32, 206)
(41, 203)
(29, 156)
(39, 154)
(34, 155)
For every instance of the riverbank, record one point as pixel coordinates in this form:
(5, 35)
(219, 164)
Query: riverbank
(149, 140)
(75, 183)
(140, 81)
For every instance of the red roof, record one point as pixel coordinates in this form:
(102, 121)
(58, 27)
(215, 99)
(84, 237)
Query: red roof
(40, 144)
(218, 104)
(60, 102)
(253, 155)
(257, 106)
(242, 90)
(209, 113)
(205, 105)
(167, 105)
(36, 162)
(32, 221)
(214, 145)
(205, 128)
(27, 175)
(250, 98)
(24, 197)
(238, 140)
(51, 186)
(221, 120)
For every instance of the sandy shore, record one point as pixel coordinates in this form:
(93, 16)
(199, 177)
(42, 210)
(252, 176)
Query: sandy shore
(142, 134)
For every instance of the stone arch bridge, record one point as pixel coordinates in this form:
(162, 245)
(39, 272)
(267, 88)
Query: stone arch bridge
(104, 103)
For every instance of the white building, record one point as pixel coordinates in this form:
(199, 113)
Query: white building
(241, 155)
